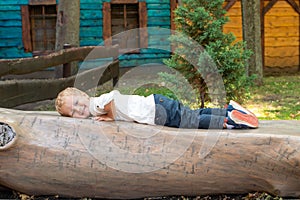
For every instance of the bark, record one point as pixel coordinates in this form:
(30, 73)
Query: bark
(67, 29)
(252, 36)
(56, 155)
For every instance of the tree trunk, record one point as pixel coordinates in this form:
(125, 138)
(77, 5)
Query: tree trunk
(252, 35)
(67, 32)
(54, 155)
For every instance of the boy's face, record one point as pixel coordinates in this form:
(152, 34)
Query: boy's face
(76, 106)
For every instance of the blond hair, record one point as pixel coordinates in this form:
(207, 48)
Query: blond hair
(70, 91)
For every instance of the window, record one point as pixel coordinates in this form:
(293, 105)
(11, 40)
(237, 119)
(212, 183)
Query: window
(124, 15)
(39, 28)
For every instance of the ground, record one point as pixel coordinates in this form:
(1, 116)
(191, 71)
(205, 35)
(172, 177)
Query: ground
(250, 196)
(277, 98)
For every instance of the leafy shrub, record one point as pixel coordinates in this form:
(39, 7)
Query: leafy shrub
(216, 67)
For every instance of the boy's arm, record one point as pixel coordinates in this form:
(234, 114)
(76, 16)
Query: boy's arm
(103, 118)
(109, 109)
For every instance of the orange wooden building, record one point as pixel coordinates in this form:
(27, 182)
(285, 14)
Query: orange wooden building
(280, 32)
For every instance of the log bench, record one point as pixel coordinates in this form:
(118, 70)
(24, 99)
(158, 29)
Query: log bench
(54, 155)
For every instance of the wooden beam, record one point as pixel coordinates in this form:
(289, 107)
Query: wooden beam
(252, 36)
(124, 1)
(107, 32)
(42, 2)
(173, 6)
(18, 92)
(269, 6)
(26, 36)
(294, 5)
(29, 65)
(69, 157)
(229, 4)
(143, 22)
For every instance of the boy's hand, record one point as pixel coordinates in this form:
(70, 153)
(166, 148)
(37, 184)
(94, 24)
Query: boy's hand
(103, 118)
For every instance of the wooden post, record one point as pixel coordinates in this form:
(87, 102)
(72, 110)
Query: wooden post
(252, 36)
(67, 71)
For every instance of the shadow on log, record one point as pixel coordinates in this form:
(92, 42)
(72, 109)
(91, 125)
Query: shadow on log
(54, 155)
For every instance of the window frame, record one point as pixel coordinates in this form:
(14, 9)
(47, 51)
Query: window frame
(26, 25)
(107, 21)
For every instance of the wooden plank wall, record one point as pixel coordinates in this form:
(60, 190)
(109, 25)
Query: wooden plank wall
(91, 31)
(158, 46)
(11, 45)
(158, 17)
(281, 34)
(235, 23)
(91, 23)
(281, 31)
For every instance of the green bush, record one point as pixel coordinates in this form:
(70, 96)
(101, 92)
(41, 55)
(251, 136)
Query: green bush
(215, 67)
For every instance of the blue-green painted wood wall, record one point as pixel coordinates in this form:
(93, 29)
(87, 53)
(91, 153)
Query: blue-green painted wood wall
(91, 26)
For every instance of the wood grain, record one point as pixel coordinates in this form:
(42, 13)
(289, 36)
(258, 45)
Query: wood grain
(63, 156)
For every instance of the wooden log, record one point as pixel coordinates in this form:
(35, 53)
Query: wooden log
(56, 155)
(29, 65)
(18, 92)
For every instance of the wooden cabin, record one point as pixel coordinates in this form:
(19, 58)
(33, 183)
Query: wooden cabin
(27, 28)
(22, 33)
(280, 32)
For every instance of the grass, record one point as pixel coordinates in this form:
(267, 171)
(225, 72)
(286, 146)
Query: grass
(277, 98)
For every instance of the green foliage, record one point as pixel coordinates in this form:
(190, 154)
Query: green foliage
(147, 90)
(210, 60)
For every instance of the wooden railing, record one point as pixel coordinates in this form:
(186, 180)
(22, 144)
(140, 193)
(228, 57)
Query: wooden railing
(18, 92)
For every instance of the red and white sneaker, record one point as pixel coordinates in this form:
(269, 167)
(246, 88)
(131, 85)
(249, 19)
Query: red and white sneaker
(233, 105)
(243, 119)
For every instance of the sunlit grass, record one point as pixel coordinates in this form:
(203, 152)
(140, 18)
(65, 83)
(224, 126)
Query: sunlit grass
(277, 98)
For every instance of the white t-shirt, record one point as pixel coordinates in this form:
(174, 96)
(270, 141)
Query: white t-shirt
(128, 107)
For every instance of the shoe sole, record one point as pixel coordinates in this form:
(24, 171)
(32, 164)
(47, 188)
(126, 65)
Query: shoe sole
(237, 106)
(244, 119)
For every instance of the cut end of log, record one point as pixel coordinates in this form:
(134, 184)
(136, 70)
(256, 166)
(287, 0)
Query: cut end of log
(8, 136)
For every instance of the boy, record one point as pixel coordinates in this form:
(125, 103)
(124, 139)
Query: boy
(154, 109)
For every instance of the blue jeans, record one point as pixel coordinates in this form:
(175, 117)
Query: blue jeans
(172, 113)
